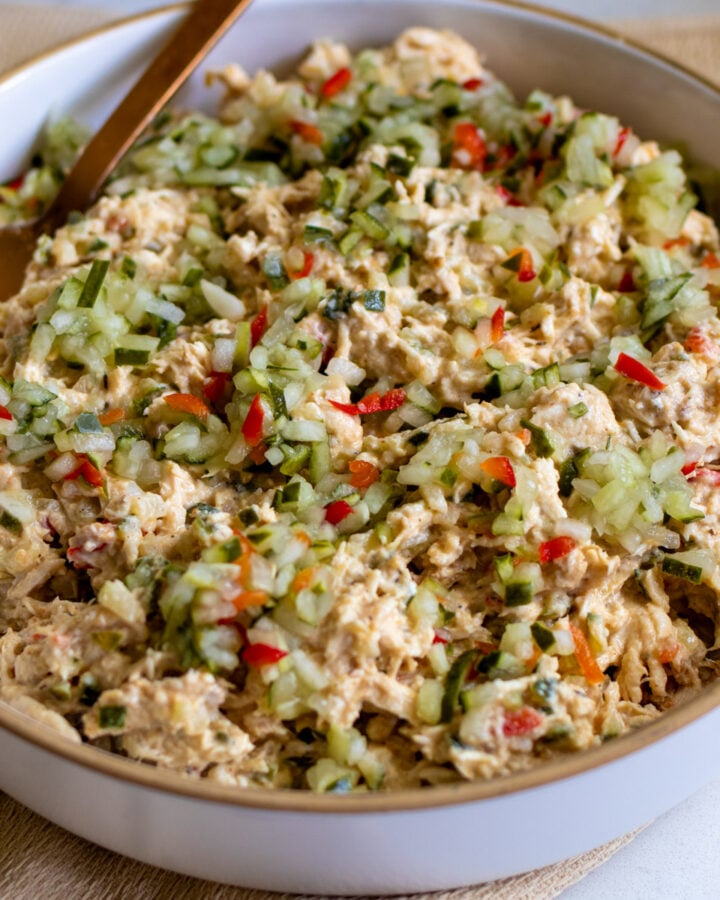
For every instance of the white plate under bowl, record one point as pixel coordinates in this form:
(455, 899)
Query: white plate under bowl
(422, 839)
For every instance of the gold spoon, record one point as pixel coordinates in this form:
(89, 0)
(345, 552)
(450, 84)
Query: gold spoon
(204, 25)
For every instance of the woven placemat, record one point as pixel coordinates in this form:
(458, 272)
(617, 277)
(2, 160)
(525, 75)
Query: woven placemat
(38, 860)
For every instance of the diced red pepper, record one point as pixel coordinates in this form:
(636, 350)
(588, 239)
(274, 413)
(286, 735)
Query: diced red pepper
(681, 241)
(510, 199)
(697, 341)
(520, 262)
(16, 183)
(336, 83)
(187, 403)
(469, 148)
(5, 413)
(555, 548)
(668, 654)
(215, 386)
(363, 473)
(243, 599)
(308, 263)
(305, 578)
(587, 662)
(258, 655)
(258, 326)
(111, 416)
(634, 370)
(89, 472)
(441, 636)
(622, 137)
(336, 511)
(689, 469)
(519, 722)
(472, 84)
(392, 399)
(373, 403)
(710, 261)
(500, 468)
(627, 283)
(497, 325)
(311, 134)
(252, 427)
(546, 118)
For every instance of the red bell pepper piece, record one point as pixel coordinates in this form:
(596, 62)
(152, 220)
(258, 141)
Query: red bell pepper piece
(668, 654)
(214, 387)
(510, 199)
(363, 473)
(258, 655)
(521, 263)
(336, 83)
(681, 241)
(252, 427)
(111, 416)
(497, 325)
(698, 342)
(627, 283)
(623, 135)
(311, 134)
(89, 472)
(244, 598)
(500, 468)
(587, 662)
(16, 183)
(634, 370)
(555, 548)
(336, 511)
(373, 403)
(710, 261)
(5, 413)
(308, 263)
(187, 403)
(469, 148)
(546, 118)
(518, 722)
(258, 326)
(472, 84)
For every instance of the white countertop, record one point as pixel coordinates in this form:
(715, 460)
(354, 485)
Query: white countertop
(677, 857)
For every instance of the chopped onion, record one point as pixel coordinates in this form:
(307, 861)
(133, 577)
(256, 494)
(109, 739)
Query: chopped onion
(350, 373)
(225, 304)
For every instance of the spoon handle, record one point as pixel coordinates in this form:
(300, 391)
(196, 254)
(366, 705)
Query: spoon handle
(205, 24)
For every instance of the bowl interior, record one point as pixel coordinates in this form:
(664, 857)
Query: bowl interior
(526, 47)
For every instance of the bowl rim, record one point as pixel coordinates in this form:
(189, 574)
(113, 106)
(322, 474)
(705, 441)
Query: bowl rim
(143, 775)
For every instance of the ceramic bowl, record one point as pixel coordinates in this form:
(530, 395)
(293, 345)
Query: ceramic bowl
(383, 843)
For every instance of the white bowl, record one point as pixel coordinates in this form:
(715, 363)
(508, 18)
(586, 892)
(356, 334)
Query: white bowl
(417, 840)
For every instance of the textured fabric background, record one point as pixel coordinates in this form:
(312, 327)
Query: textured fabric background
(38, 860)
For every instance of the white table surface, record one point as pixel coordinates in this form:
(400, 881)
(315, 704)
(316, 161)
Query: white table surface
(677, 857)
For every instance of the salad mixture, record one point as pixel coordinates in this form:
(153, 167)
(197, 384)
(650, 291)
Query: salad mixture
(364, 436)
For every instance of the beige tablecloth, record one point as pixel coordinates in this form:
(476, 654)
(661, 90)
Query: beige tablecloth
(39, 861)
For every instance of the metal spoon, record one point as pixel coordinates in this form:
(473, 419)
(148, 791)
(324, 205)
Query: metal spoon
(205, 24)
